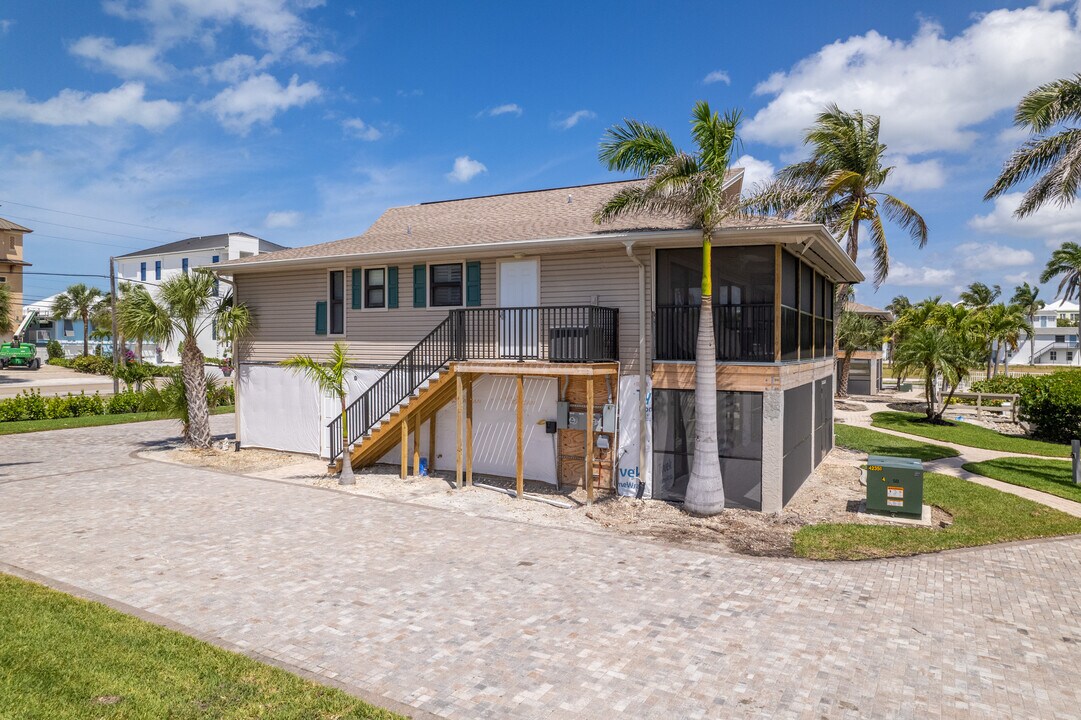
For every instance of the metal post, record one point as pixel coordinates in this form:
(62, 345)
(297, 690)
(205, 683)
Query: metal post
(1075, 455)
(112, 303)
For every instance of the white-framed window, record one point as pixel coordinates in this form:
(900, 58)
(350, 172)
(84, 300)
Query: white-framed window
(1053, 356)
(446, 285)
(1060, 338)
(336, 302)
(375, 288)
(1069, 356)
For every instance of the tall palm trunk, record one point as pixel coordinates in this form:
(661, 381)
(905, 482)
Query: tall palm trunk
(86, 333)
(191, 363)
(705, 489)
(842, 382)
(1032, 339)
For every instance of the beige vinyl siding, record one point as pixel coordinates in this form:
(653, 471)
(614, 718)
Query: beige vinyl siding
(610, 278)
(284, 306)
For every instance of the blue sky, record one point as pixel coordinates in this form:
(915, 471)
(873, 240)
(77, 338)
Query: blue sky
(300, 120)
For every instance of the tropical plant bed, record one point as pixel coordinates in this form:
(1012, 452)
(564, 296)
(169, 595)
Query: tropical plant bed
(1054, 477)
(981, 516)
(876, 443)
(27, 426)
(64, 657)
(967, 434)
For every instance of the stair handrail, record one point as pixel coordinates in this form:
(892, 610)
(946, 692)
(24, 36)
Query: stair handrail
(433, 353)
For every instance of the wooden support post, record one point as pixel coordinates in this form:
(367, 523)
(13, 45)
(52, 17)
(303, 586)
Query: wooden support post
(589, 440)
(416, 445)
(979, 405)
(469, 431)
(431, 442)
(458, 429)
(520, 457)
(405, 449)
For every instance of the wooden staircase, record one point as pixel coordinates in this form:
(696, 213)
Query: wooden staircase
(419, 407)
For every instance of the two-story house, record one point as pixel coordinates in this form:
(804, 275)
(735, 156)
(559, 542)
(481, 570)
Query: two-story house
(1054, 337)
(12, 264)
(152, 266)
(511, 335)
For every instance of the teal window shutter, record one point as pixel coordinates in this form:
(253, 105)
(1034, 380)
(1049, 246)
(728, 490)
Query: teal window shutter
(321, 318)
(392, 287)
(472, 284)
(356, 289)
(420, 287)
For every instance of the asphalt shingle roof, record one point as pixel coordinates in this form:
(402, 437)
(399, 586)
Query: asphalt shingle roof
(202, 242)
(16, 227)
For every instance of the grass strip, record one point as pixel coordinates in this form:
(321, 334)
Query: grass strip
(64, 657)
(872, 442)
(967, 434)
(1050, 476)
(26, 426)
(981, 516)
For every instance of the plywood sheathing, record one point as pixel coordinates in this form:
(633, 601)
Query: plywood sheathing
(572, 445)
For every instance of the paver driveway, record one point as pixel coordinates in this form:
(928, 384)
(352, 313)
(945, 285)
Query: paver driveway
(466, 617)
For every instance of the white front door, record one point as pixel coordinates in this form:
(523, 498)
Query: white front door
(519, 287)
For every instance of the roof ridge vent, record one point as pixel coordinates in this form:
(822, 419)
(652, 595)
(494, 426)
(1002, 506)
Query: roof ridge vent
(569, 198)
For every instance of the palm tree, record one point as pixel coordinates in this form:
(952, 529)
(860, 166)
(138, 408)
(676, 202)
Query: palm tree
(7, 322)
(689, 186)
(1003, 324)
(855, 332)
(78, 302)
(934, 352)
(897, 307)
(185, 306)
(839, 186)
(978, 295)
(1050, 157)
(1066, 262)
(1026, 297)
(329, 377)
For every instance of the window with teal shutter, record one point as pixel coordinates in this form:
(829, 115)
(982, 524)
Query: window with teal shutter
(392, 287)
(355, 282)
(321, 318)
(472, 284)
(420, 288)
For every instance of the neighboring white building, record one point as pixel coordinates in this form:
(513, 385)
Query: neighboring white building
(156, 264)
(1055, 345)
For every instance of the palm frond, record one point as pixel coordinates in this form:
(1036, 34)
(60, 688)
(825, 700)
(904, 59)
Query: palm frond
(635, 146)
(1050, 104)
(1032, 158)
(715, 136)
(881, 250)
(899, 212)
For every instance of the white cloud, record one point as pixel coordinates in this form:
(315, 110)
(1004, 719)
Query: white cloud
(410, 93)
(507, 109)
(717, 76)
(127, 61)
(991, 256)
(6, 25)
(574, 118)
(755, 171)
(258, 99)
(907, 276)
(282, 219)
(235, 68)
(931, 90)
(124, 104)
(465, 169)
(360, 129)
(909, 175)
(1052, 223)
(277, 24)
(1019, 278)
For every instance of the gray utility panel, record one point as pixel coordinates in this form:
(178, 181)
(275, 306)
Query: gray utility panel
(567, 420)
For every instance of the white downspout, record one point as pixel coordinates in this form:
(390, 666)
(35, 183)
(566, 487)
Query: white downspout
(641, 366)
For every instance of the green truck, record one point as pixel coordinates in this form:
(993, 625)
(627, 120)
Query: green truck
(18, 353)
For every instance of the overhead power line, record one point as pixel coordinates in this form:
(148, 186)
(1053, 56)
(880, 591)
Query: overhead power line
(92, 242)
(76, 227)
(91, 217)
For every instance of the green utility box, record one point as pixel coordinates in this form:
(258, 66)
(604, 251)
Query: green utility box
(894, 485)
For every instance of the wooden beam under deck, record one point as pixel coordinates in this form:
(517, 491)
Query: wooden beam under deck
(535, 368)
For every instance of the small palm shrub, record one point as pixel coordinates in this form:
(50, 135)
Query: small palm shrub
(54, 350)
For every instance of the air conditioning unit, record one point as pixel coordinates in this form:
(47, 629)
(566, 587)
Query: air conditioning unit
(568, 343)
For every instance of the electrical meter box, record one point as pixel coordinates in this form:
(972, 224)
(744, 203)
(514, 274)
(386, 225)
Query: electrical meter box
(604, 418)
(894, 485)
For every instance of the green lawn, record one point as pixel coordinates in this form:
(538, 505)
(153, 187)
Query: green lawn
(1049, 476)
(875, 443)
(25, 426)
(967, 434)
(981, 516)
(63, 657)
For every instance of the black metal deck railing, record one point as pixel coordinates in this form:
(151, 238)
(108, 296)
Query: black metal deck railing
(571, 333)
(741, 332)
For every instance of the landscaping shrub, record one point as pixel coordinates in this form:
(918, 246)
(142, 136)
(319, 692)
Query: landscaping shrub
(66, 406)
(1050, 403)
(27, 405)
(54, 350)
(59, 362)
(93, 364)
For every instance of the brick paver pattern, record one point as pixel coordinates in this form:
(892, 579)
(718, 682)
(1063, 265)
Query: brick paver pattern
(467, 617)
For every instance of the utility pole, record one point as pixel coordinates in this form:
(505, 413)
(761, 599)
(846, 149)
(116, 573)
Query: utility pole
(112, 303)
